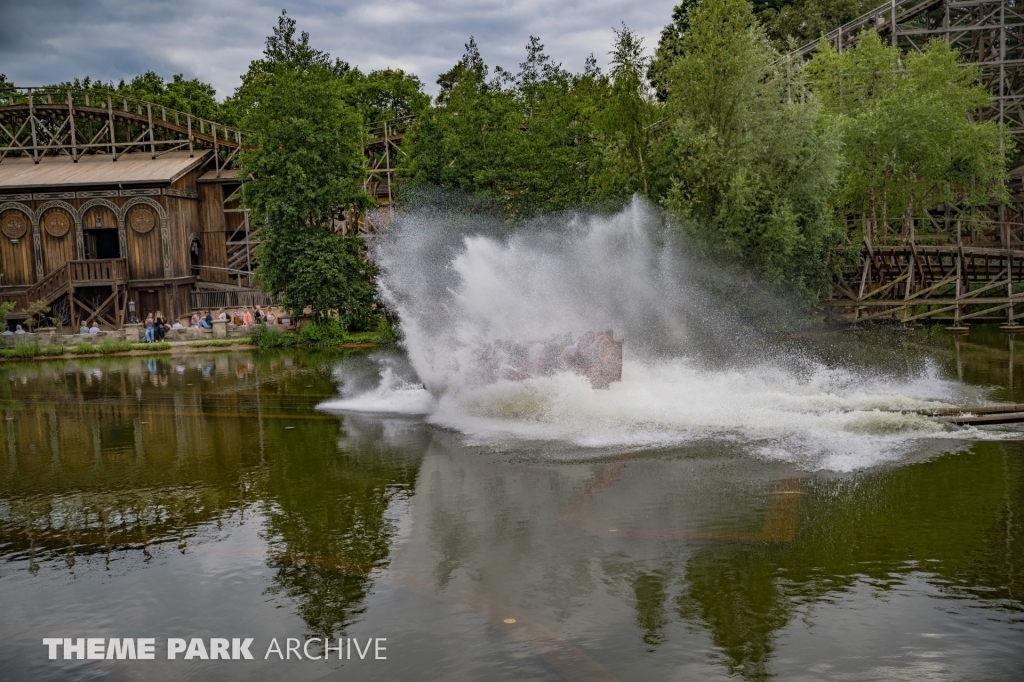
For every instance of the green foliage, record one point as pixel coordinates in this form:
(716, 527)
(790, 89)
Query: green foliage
(214, 343)
(670, 46)
(36, 313)
(191, 96)
(159, 345)
(525, 141)
(308, 165)
(908, 140)
(387, 331)
(629, 163)
(384, 95)
(6, 308)
(25, 350)
(329, 331)
(751, 168)
(264, 337)
(791, 23)
(106, 347)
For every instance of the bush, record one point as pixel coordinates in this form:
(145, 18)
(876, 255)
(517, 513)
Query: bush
(25, 350)
(386, 330)
(106, 348)
(264, 337)
(327, 332)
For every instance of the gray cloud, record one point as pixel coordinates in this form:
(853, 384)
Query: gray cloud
(45, 41)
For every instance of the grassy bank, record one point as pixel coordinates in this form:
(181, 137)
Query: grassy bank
(318, 335)
(24, 351)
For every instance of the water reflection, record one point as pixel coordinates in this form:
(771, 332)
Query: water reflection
(701, 562)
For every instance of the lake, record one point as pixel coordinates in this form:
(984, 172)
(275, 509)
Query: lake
(687, 524)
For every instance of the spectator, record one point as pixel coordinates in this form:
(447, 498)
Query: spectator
(236, 318)
(94, 329)
(207, 321)
(247, 317)
(84, 329)
(150, 329)
(271, 319)
(258, 316)
(18, 329)
(195, 320)
(221, 315)
(160, 326)
(177, 325)
(7, 332)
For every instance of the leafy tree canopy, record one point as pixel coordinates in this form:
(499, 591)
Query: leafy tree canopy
(526, 140)
(307, 164)
(908, 139)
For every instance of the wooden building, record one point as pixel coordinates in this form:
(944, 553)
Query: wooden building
(113, 204)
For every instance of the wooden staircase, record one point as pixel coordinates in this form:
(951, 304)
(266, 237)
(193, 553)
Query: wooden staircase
(75, 274)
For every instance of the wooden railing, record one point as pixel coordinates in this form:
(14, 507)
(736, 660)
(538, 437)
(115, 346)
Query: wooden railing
(105, 270)
(244, 298)
(53, 285)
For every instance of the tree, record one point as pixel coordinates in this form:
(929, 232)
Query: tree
(36, 313)
(628, 164)
(751, 167)
(791, 23)
(670, 46)
(384, 95)
(908, 140)
(307, 164)
(524, 141)
(282, 52)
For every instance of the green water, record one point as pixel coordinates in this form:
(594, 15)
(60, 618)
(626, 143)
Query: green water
(206, 496)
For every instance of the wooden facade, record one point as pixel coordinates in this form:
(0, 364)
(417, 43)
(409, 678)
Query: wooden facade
(103, 206)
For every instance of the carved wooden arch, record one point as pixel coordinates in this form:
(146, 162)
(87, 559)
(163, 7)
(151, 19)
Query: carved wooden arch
(36, 240)
(165, 229)
(76, 217)
(118, 215)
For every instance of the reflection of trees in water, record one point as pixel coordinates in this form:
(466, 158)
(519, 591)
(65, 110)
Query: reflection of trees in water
(327, 522)
(120, 457)
(116, 525)
(955, 521)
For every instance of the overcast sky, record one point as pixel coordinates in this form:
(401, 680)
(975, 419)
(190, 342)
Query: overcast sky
(48, 41)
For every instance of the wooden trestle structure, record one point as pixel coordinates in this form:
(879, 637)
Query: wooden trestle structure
(958, 267)
(108, 202)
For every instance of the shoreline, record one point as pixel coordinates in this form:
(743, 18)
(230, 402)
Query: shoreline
(184, 348)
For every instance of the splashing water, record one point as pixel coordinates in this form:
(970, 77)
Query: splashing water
(458, 287)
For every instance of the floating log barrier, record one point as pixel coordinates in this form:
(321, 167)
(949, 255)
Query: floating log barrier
(978, 416)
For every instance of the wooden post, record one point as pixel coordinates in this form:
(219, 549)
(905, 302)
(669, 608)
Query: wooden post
(190, 151)
(152, 145)
(216, 152)
(71, 122)
(110, 122)
(248, 260)
(116, 286)
(892, 38)
(32, 123)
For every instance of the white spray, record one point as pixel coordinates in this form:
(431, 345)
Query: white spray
(460, 284)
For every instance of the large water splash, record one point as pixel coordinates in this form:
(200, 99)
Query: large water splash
(460, 285)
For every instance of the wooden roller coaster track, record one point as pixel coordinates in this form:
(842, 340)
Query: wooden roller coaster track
(37, 122)
(955, 266)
